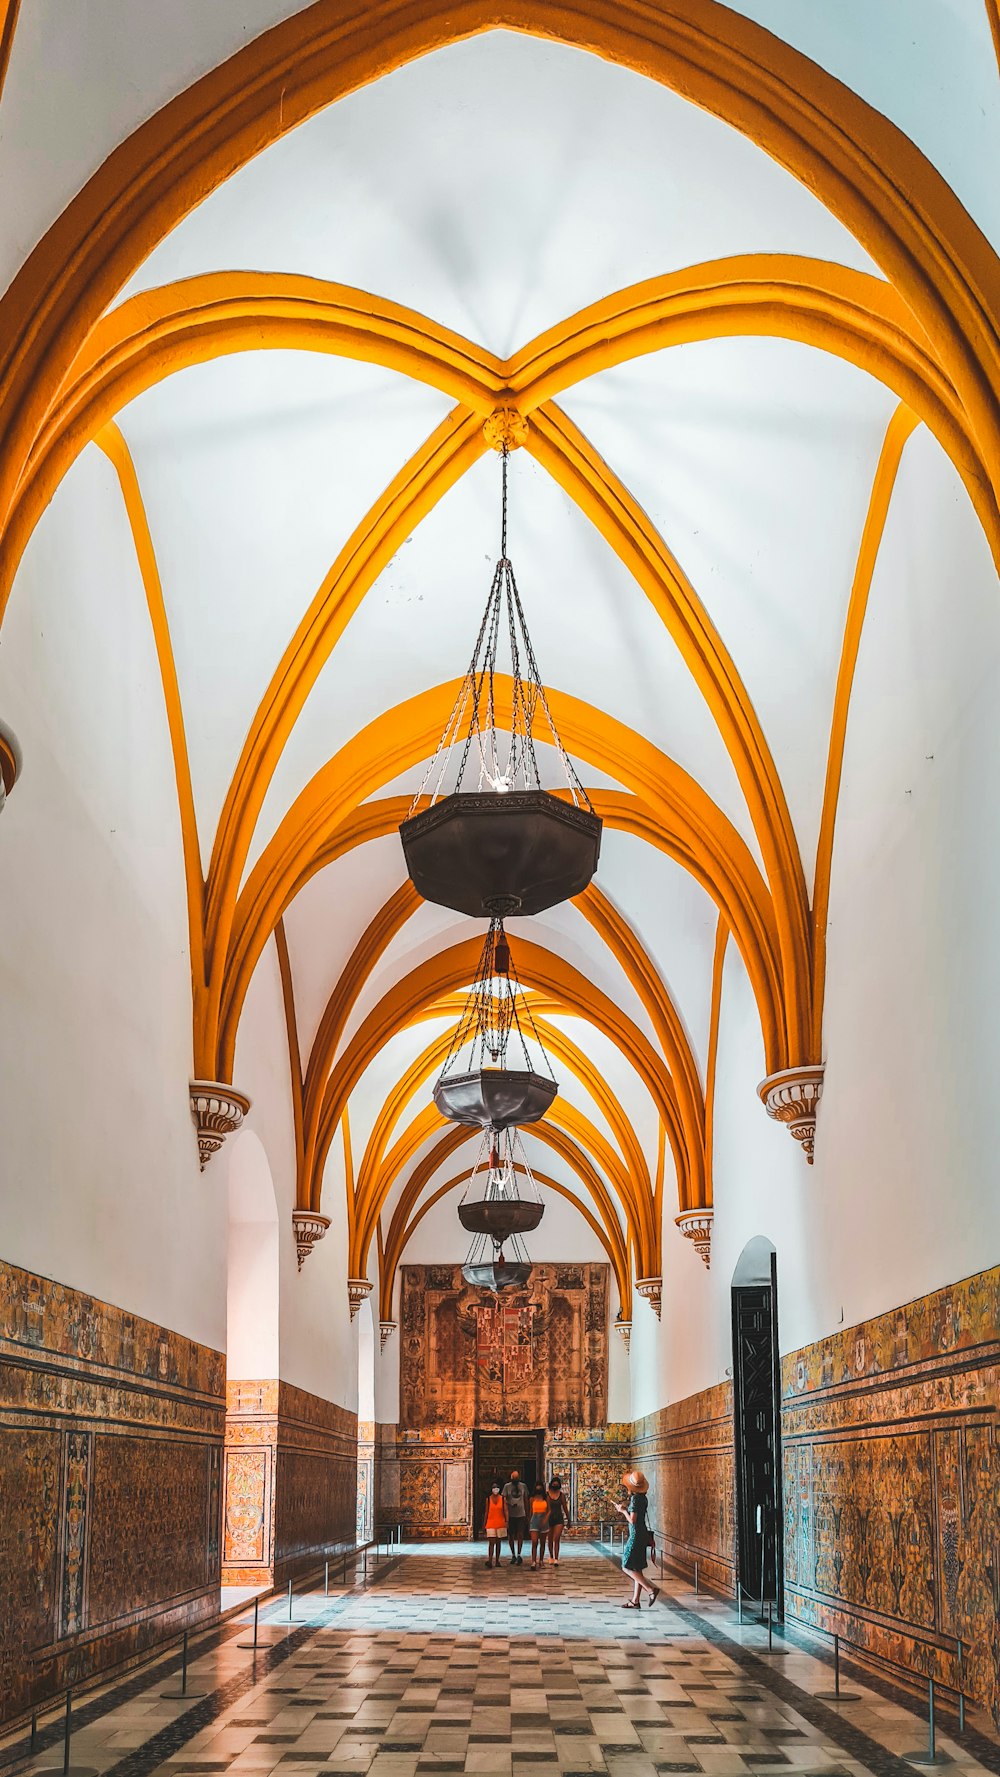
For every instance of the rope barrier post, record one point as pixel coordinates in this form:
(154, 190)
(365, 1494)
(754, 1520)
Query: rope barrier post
(326, 1578)
(961, 1686)
(289, 1601)
(931, 1756)
(66, 1769)
(252, 1644)
(739, 1600)
(696, 1584)
(770, 1643)
(183, 1694)
(34, 1734)
(837, 1695)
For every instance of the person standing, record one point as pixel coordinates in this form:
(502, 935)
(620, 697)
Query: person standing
(516, 1500)
(495, 1524)
(639, 1540)
(558, 1516)
(538, 1523)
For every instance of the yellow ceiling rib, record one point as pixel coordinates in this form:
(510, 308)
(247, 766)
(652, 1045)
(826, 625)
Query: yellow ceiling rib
(858, 163)
(370, 1193)
(8, 23)
(898, 431)
(116, 450)
(400, 738)
(400, 1235)
(292, 1034)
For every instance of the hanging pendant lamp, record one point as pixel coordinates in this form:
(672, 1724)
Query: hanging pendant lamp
(499, 843)
(494, 1202)
(488, 1091)
(498, 1212)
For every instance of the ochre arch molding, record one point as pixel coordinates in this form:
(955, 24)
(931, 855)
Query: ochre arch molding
(417, 993)
(397, 1240)
(573, 1125)
(638, 1197)
(152, 335)
(624, 946)
(399, 739)
(858, 163)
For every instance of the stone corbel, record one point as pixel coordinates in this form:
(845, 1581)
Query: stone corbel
(10, 761)
(218, 1110)
(792, 1097)
(624, 1327)
(386, 1328)
(308, 1228)
(358, 1291)
(696, 1226)
(651, 1288)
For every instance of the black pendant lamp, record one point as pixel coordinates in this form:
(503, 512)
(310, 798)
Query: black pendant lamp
(491, 1034)
(498, 1210)
(499, 843)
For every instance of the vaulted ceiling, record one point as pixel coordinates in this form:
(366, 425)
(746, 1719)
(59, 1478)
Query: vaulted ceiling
(284, 313)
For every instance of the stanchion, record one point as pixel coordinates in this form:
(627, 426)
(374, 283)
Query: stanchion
(696, 1579)
(185, 1691)
(961, 1685)
(931, 1756)
(326, 1578)
(252, 1644)
(776, 1653)
(739, 1600)
(837, 1695)
(289, 1601)
(34, 1735)
(66, 1769)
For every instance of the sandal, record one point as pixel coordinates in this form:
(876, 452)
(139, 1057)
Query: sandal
(655, 1596)
(633, 1604)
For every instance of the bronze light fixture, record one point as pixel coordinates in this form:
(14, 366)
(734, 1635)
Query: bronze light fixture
(499, 843)
(493, 1027)
(496, 1210)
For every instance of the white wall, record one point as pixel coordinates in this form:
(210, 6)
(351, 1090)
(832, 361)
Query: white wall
(252, 1270)
(318, 1342)
(902, 1197)
(99, 1170)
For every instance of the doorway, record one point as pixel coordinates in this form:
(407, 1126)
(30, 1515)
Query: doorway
(494, 1455)
(757, 1424)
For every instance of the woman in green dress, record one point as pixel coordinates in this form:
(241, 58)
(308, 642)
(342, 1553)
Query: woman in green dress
(639, 1540)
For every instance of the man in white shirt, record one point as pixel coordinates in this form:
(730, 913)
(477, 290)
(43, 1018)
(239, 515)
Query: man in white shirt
(516, 1496)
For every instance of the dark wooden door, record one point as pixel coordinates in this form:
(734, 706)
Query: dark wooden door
(756, 1409)
(496, 1454)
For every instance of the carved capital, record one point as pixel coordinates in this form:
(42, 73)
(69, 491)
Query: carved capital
(792, 1097)
(358, 1291)
(624, 1327)
(10, 761)
(386, 1328)
(652, 1289)
(217, 1110)
(505, 426)
(308, 1228)
(696, 1226)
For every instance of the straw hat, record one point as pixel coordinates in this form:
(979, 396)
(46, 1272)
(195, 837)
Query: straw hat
(636, 1481)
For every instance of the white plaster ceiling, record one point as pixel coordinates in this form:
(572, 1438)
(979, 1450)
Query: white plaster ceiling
(496, 186)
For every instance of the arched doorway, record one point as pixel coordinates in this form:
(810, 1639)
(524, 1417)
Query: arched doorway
(757, 1423)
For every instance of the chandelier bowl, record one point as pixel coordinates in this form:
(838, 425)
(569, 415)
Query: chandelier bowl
(498, 1275)
(500, 1218)
(494, 1097)
(519, 852)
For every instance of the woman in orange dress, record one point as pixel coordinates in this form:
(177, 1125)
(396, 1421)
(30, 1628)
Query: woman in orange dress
(495, 1524)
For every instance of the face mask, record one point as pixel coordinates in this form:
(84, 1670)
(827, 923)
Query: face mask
(494, 1489)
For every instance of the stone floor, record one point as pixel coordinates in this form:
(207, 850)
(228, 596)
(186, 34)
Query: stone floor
(441, 1666)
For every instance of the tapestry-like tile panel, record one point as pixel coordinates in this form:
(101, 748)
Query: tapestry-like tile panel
(527, 1358)
(891, 1457)
(291, 1481)
(590, 1465)
(686, 1453)
(110, 1453)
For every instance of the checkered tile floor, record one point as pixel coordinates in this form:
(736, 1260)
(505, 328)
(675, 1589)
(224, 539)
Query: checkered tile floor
(441, 1666)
